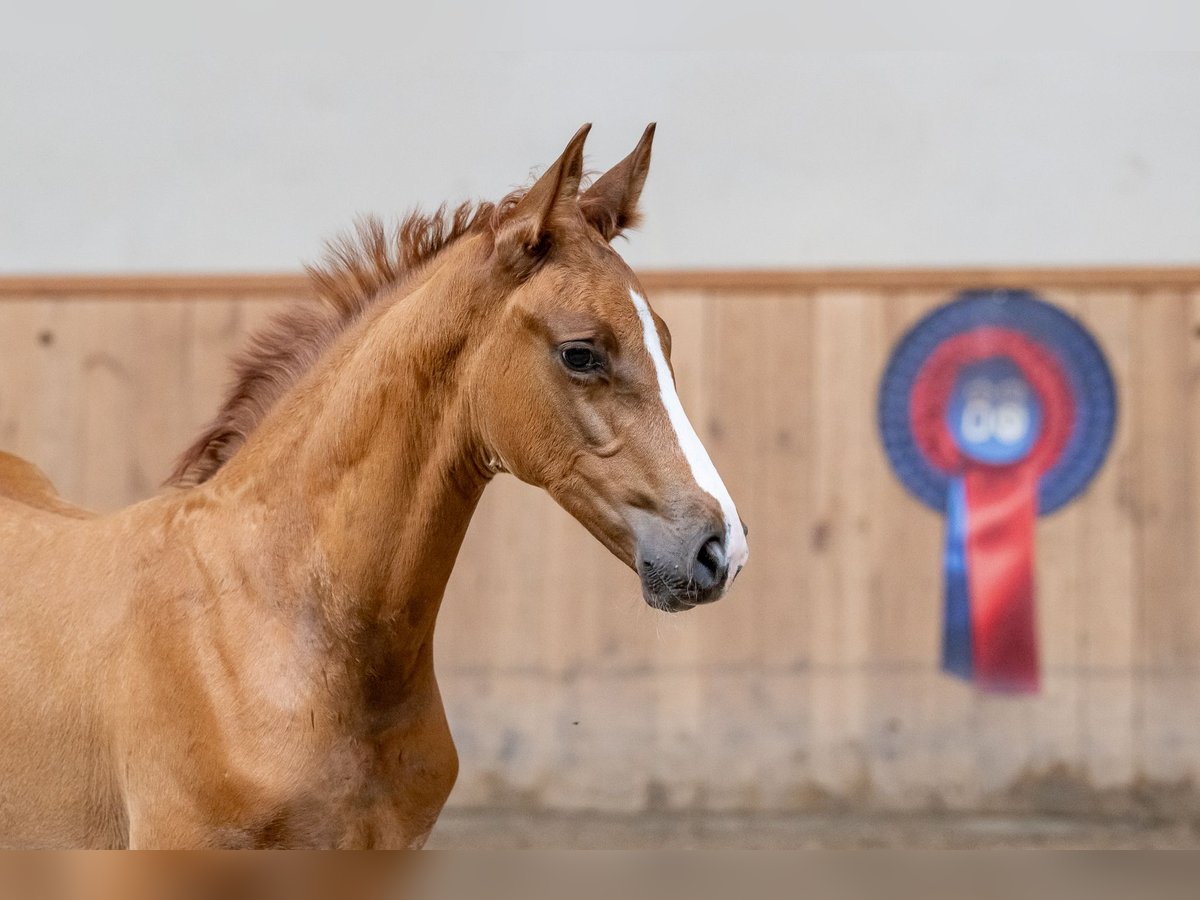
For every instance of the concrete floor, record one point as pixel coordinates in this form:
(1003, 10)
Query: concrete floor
(492, 829)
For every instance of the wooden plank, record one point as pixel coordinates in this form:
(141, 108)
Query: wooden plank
(123, 287)
(733, 370)
(1164, 393)
(1164, 398)
(278, 285)
(1105, 550)
(839, 584)
(778, 418)
(27, 346)
(909, 535)
(1054, 726)
(916, 718)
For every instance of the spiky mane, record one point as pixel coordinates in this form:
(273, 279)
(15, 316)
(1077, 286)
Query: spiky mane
(357, 269)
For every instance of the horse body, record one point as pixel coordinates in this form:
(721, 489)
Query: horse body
(199, 700)
(25, 483)
(46, 734)
(247, 662)
(206, 696)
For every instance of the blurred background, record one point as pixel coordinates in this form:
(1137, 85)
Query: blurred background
(166, 174)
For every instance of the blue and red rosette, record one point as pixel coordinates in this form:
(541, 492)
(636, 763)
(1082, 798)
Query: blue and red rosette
(994, 409)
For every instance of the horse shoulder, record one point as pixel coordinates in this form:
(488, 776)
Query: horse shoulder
(25, 483)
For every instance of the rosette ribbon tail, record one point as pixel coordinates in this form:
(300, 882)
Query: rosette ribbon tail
(956, 626)
(1001, 510)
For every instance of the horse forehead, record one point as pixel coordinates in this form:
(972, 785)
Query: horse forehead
(596, 281)
(600, 273)
(603, 298)
(614, 306)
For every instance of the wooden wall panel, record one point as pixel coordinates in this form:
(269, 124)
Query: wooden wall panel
(815, 683)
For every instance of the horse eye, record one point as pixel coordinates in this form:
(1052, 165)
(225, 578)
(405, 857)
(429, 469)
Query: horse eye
(580, 358)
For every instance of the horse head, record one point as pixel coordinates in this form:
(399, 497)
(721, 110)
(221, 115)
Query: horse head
(574, 390)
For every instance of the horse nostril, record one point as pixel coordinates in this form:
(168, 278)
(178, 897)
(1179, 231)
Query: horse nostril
(711, 565)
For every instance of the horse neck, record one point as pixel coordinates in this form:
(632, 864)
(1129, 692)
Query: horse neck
(366, 475)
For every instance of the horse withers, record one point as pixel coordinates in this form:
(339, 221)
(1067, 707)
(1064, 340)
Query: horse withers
(246, 660)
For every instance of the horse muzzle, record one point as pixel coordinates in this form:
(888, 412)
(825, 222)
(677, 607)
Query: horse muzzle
(681, 569)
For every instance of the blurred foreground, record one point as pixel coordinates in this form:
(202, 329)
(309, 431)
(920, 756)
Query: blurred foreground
(716, 874)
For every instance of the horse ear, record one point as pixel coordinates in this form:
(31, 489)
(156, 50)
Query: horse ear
(610, 205)
(528, 231)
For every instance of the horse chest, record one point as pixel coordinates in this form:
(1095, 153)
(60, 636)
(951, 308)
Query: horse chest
(347, 788)
(387, 796)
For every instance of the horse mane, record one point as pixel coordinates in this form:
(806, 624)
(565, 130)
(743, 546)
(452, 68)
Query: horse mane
(356, 270)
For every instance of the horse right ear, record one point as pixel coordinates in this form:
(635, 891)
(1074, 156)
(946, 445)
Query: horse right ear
(527, 232)
(611, 204)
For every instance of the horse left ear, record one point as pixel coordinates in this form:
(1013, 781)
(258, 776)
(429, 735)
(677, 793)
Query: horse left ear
(610, 205)
(527, 234)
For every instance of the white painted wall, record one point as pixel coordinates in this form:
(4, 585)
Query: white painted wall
(215, 143)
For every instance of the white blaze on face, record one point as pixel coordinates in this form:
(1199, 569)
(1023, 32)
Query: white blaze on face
(702, 467)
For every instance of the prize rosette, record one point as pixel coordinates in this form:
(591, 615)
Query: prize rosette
(994, 409)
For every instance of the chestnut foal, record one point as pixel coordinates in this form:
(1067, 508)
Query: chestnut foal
(246, 661)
